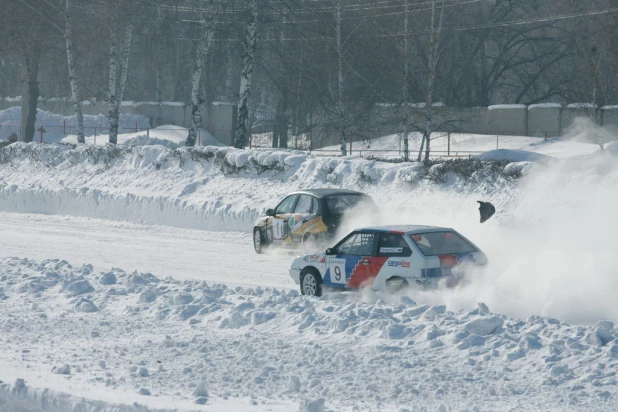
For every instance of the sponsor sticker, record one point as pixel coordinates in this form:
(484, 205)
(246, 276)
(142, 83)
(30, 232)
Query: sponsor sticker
(391, 250)
(399, 263)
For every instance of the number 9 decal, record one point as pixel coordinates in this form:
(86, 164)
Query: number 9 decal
(337, 271)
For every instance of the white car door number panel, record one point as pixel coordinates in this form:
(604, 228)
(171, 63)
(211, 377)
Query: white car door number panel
(337, 271)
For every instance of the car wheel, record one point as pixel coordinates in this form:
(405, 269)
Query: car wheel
(259, 243)
(310, 283)
(396, 285)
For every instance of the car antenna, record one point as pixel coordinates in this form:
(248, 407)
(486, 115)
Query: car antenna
(487, 210)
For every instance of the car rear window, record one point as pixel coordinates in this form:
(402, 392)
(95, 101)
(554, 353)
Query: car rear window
(442, 243)
(338, 204)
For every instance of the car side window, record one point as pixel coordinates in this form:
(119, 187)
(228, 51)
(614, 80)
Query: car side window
(358, 244)
(304, 204)
(286, 206)
(393, 245)
(314, 205)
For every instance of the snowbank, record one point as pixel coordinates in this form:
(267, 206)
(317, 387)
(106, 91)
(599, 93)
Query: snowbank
(214, 188)
(513, 156)
(152, 340)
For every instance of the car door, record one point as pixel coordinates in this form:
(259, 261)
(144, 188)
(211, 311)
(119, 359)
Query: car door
(351, 265)
(280, 227)
(303, 218)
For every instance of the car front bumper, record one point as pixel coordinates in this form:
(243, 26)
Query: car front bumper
(295, 275)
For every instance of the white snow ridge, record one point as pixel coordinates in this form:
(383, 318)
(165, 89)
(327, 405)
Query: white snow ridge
(187, 344)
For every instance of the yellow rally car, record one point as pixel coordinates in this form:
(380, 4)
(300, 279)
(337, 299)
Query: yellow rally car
(312, 215)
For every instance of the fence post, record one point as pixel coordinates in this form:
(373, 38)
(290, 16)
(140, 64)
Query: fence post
(545, 136)
(95, 136)
(250, 139)
(148, 132)
(65, 126)
(136, 127)
(497, 138)
(448, 147)
(199, 136)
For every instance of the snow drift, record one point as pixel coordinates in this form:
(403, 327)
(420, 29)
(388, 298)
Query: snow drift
(160, 339)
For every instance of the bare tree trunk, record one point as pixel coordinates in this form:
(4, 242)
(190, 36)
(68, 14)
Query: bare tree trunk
(420, 151)
(242, 120)
(229, 70)
(208, 31)
(30, 93)
(406, 150)
(434, 44)
(296, 118)
(116, 101)
(341, 79)
(75, 97)
(281, 122)
(126, 54)
(112, 98)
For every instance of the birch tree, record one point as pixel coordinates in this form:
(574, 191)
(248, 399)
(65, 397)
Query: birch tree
(242, 120)
(75, 96)
(340, 79)
(208, 22)
(406, 64)
(26, 42)
(432, 64)
(116, 86)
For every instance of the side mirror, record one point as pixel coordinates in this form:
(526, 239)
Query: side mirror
(330, 251)
(270, 212)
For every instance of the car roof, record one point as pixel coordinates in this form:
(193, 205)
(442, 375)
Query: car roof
(407, 229)
(326, 192)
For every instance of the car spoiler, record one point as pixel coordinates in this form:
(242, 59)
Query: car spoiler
(487, 210)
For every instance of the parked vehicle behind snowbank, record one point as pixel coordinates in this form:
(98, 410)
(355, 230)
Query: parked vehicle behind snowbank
(312, 215)
(388, 258)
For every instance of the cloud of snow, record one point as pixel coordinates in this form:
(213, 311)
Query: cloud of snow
(583, 129)
(551, 246)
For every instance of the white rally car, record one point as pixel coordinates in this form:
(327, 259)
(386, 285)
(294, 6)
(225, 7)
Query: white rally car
(388, 258)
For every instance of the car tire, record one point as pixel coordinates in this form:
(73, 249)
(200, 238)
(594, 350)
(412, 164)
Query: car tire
(311, 283)
(259, 242)
(396, 285)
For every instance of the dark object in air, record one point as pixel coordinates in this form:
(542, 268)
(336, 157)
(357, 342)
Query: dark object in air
(487, 210)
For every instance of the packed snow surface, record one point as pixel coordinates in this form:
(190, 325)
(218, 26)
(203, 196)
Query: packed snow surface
(131, 336)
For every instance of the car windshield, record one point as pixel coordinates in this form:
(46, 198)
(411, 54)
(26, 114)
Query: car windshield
(338, 204)
(442, 243)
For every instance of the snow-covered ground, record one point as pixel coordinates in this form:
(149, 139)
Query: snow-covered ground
(185, 216)
(464, 145)
(168, 344)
